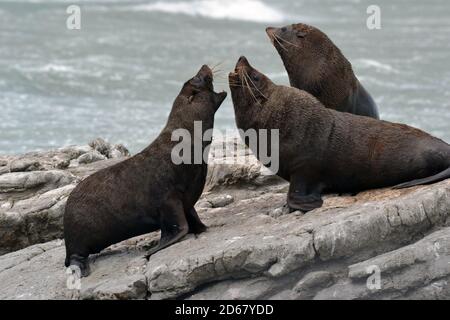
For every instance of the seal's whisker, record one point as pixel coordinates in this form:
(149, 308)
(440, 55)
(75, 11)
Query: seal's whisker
(249, 88)
(254, 85)
(281, 45)
(240, 79)
(277, 39)
(217, 65)
(288, 42)
(246, 85)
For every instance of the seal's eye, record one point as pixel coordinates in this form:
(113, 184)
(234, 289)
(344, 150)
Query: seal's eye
(255, 77)
(197, 81)
(301, 34)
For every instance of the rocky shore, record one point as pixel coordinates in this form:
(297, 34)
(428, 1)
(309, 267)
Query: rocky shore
(379, 244)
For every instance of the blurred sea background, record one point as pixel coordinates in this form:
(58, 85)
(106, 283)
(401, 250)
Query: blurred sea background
(117, 77)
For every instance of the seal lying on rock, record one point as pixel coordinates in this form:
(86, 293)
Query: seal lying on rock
(316, 65)
(146, 192)
(322, 150)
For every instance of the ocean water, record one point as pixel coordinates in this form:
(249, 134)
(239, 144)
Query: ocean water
(118, 76)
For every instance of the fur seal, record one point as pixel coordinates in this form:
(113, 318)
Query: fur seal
(146, 192)
(322, 150)
(314, 64)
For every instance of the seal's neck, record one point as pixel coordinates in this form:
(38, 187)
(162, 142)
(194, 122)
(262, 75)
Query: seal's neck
(331, 81)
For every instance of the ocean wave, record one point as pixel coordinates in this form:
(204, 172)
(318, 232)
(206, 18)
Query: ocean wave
(51, 67)
(247, 10)
(277, 75)
(369, 63)
(55, 68)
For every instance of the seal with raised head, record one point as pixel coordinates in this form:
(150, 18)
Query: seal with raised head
(322, 150)
(146, 192)
(316, 65)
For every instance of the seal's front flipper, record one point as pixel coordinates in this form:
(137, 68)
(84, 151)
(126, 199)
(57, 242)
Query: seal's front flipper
(174, 225)
(302, 196)
(196, 226)
(304, 203)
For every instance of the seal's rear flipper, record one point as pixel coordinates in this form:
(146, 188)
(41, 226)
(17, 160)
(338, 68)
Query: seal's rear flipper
(79, 264)
(436, 178)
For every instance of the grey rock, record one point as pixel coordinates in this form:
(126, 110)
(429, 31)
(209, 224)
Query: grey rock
(91, 156)
(238, 167)
(74, 152)
(33, 220)
(118, 278)
(221, 201)
(21, 185)
(281, 211)
(36, 272)
(410, 271)
(311, 283)
(32, 202)
(101, 146)
(24, 165)
(249, 255)
(202, 204)
(119, 151)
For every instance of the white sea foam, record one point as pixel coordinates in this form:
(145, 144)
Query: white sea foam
(247, 10)
(369, 63)
(46, 68)
(277, 75)
(55, 68)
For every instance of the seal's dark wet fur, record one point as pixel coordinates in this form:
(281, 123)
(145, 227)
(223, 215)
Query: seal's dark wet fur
(322, 150)
(315, 64)
(146, 192)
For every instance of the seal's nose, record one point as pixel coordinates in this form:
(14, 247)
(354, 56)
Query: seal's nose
(271, 31)
(242, 62)
(205, 71)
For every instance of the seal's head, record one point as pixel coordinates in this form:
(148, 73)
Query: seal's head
(248, 86)
(309, 56)
(197, 101)
(199, 90)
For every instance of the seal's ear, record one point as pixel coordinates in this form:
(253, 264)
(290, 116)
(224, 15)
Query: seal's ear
(192, 95)
(219, 97)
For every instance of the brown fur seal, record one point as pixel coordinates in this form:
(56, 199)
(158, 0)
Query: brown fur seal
(146, 192)
(322, 150)
(314, 64)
